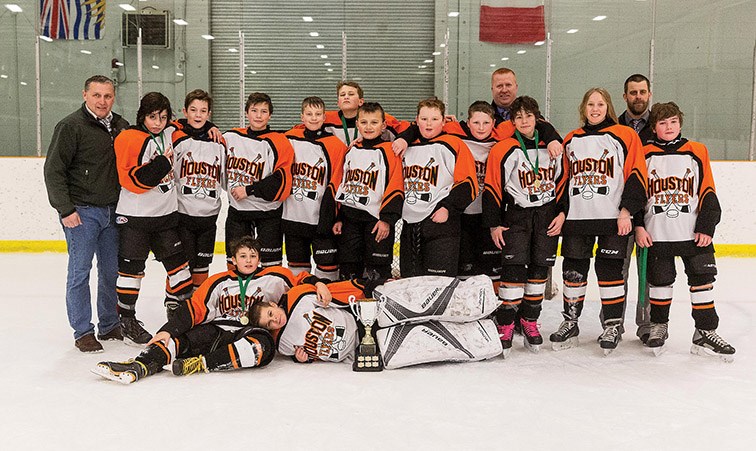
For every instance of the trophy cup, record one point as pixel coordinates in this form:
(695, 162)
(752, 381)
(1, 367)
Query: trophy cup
(367, 357)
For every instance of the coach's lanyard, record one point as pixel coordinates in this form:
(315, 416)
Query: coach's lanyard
(161, 146)
(524, 148)
(243, 283)
(346, 131)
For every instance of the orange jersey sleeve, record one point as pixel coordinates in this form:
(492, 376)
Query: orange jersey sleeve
(129, 147)
(394, 193)
(285, 158)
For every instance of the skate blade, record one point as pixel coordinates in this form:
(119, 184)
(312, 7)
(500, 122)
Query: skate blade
(531, 347)
(133, 343)
(706, 352)
(608, 351)
(657, 351)
(105, 372)
(567, 344)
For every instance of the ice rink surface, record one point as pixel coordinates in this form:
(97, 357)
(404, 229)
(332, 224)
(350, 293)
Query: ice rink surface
(575, 399)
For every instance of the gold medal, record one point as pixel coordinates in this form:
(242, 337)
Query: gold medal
(537, 184)
(244, 320)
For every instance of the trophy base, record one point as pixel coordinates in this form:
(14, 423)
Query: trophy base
(367, 358)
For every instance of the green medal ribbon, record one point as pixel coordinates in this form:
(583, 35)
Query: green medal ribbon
(160, 148)
(346, 130)
(525, 151)
(243, 283)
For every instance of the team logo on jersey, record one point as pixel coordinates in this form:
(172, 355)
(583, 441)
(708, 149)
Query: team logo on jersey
(323, 340)
(199, 178)
(306, 179)
(671, 195)
(539, 187)
(589, 176)
(242, 171)
(357, 185)
(229, 305)
(418, 181)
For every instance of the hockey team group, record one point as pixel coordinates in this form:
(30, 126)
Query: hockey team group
(481, 204)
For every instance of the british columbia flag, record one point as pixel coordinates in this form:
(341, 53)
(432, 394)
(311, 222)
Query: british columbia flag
(72, 19)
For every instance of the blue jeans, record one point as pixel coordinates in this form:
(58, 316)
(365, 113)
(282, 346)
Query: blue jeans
(97, 235)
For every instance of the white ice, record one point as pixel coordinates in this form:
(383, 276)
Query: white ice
(575, 399)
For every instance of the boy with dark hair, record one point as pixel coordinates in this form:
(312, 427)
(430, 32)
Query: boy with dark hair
(370, 198)
(679, 220)
(439, 183)
(520, 207)
(212, 332)
(310, 212)
(147, 213)
(258, 180)
(199, 172)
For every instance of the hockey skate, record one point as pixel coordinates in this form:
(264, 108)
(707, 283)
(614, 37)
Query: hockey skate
(610, 338)
(531, 335)
(566, 336)
(133, 331)
(189, 365)
(505, 335)
(657, 338)
(709, 343)
(123, 372)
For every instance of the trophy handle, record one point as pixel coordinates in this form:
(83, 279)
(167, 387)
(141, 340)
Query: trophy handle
(354, 305)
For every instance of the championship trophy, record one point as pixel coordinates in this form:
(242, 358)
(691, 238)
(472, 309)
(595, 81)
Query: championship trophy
(367, 357)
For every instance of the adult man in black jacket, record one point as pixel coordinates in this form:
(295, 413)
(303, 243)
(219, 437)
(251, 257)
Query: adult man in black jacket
(82, 185)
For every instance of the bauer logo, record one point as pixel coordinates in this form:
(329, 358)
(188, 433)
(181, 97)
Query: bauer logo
(121, 220)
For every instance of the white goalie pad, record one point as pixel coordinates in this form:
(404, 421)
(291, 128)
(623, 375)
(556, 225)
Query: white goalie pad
(436, 341)
(423, 298)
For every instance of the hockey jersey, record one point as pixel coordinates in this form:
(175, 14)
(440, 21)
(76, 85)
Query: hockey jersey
(682, 200)
(217, 301)
(437, 173)
(316, 171)
(346, 128)
(198, 172)
(511, 178)
(479, 150)
(325, 333)
(372, 181)
(606, 172)
(148, 188)
(261, 161)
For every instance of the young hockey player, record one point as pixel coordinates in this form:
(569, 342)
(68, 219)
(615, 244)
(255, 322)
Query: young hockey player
(606, 184)
(439, 183)
(422, 319)
(310, 211)
(258, 180)
(212, 332)
(370, 198)
(343, 123)
(679, 220)
(520, 207)
(198, 172)
(147, 215)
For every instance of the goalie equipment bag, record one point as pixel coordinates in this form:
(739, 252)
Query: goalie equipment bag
(440, 298)
(437, 341)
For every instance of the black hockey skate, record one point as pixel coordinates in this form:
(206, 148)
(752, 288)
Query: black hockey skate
(189, 365)
(133, 332)
(709, 343)
(566, 336)
(610, 338)
(657, 338)
(123, 372)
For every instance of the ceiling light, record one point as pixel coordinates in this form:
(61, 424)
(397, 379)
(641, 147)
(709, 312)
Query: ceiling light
(181, 22)
(156, 67)
(436, 53)
(23, 83)
(421, 67)
(453, 13)
(3, 76)
(428, 61)
(86, 52)
(324, 56)
(314, 34)
(14, 8)
(597, 18)
(522, 52)
(327, 64)
(127, 7)
(253, 72)
(179, 74)
(209, 37)
(119, 64)
(233, 50)
(45, 38)
(540, 43)
(307, 18)
(320, 46)
(492, 65)
(506, 58)
(442, 45)
(572, 31)
(330, 70)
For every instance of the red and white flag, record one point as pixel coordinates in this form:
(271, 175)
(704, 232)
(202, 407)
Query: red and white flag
(512, 21)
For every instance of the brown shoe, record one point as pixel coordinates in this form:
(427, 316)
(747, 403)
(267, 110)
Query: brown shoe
(113, 335)
(89, 344)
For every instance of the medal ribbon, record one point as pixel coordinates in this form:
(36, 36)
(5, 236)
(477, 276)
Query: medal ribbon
(243, 283)
(160, 148)
(525, 151)
(346, 131)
